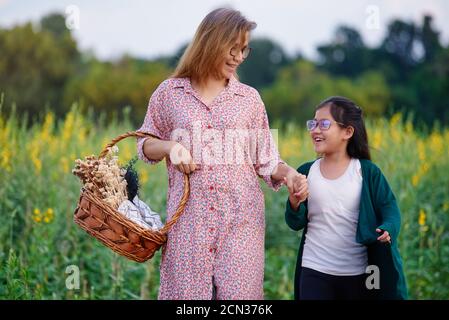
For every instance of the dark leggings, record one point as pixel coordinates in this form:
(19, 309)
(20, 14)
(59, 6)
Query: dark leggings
(315, 285)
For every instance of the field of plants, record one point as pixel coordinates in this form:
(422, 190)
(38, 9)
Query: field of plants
(38, 194)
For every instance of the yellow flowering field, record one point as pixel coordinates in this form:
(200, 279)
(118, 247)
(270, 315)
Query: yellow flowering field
(40, 244)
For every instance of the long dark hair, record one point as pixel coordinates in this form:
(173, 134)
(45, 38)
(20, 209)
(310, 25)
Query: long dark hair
(349, 114)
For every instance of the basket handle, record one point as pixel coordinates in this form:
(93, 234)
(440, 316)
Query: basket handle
(186, 193)
(137, 134)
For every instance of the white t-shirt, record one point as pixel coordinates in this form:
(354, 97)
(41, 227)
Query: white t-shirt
(333, 211)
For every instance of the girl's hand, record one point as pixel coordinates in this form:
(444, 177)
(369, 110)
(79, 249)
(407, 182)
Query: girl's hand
(298, 189)
(385, 237)
(182, 159)
(294, 181)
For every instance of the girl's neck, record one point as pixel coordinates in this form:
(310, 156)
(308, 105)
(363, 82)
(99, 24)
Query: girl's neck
(336, 158)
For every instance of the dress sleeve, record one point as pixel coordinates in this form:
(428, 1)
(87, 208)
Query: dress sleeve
(267, 154)
(156, 121)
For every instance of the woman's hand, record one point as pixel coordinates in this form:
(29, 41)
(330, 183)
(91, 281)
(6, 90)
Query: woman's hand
(297, 187)
(385, 237)
(181, 158)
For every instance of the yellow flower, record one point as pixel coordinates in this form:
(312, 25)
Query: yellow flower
(425, 167)
(396, 135)
(421, 150)
(422, 217)
(82, 135)
(5, 159)
(37, 216)
(67, 128)
(415, 180)
(34, 148)
(144, 177)
(409, 127)
(65, 164)
(446, 206)
(395, 119)
(37, 164)
(126, 153)
(49, 215)
(436, 144)
(377, 139)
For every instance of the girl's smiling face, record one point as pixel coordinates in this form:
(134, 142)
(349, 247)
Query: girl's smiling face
(331, 140)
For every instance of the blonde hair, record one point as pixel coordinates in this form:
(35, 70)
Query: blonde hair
(217, 33)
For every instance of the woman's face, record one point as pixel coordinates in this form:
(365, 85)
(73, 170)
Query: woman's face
(231, 63)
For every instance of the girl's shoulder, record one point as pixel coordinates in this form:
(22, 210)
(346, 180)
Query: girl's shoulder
(305, 167)
(371, 170)
(368, 165)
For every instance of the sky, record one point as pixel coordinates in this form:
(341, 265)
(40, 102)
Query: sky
(149, 29)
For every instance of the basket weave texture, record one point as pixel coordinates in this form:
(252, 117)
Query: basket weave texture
(117, 232)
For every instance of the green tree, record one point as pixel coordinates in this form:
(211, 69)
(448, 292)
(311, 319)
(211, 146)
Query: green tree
(265, 60)
(35, 65)
(108, 87)
(346, 55)
(300, 87)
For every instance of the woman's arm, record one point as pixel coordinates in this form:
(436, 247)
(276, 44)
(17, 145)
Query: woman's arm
(156, 149)
(281, 171)
(296, 182)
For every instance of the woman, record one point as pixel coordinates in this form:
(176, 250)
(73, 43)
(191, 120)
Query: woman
(216, 248)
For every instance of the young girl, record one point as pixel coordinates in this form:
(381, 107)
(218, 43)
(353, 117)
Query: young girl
(216, 248)
(350, 219)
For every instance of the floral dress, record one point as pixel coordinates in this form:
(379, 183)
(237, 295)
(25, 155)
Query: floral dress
(217, 245)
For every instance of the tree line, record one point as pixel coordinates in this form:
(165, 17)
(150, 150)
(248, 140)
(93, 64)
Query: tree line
(42, 68)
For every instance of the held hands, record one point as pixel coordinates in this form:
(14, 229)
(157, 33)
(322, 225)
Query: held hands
(297, 187)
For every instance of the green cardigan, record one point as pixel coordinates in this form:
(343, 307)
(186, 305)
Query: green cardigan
(378, 209)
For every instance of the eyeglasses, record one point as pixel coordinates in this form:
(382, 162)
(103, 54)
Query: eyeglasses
(245, 52)
(324, 124)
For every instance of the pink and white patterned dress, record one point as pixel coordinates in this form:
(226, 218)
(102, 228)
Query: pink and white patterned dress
(219, 239)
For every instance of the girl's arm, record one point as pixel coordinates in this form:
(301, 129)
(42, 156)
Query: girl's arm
(386, 205)
(290, 176)
(296, 219)
(296, 215)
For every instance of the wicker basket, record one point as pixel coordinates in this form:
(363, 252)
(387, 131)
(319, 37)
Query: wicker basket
(117, 232)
